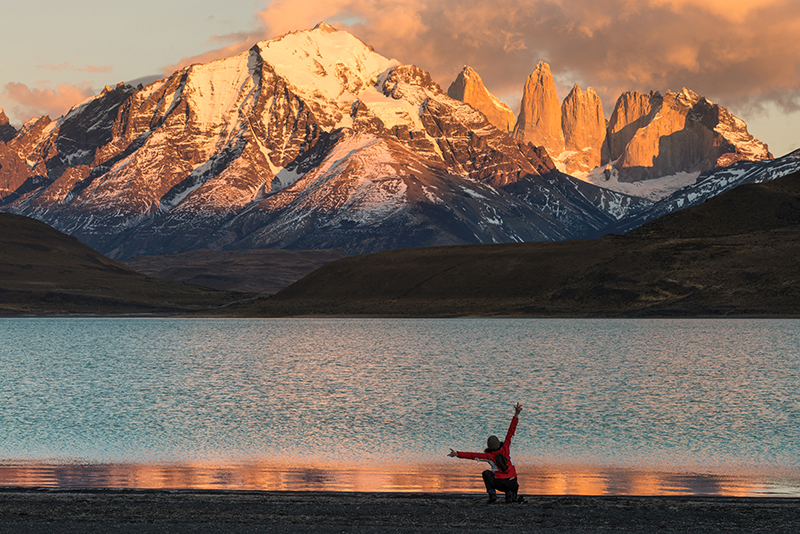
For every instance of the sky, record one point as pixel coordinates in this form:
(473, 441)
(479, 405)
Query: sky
(744, 55)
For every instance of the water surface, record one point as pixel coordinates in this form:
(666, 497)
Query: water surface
(611, 406)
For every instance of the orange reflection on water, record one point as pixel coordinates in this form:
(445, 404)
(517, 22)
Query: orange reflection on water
(438, 478)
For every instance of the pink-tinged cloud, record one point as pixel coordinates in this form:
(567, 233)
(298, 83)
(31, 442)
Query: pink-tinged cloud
(246, 41)
(733, 10)
(67, 66)
(23, 102)
(735, 51)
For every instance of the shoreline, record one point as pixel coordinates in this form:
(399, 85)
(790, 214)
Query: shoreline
(539, 478)
(82, 511)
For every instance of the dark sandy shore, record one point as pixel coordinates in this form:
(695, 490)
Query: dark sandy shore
(85, 511)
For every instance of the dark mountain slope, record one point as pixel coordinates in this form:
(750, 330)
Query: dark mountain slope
(748, 208)
(733, 255)
(44, 271)
(251, 271)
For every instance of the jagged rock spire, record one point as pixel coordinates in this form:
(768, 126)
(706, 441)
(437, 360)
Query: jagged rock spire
(539, 120)
(468, 87)
(632, 111)
(584, 127)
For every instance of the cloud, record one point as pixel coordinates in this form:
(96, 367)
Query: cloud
(739, 53)
(246, 41)
(732, 10)
(66, 66)
(37, 101)
(733, 51)
(236, 37)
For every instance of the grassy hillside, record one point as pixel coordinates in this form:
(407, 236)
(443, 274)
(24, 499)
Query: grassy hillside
(43, 271)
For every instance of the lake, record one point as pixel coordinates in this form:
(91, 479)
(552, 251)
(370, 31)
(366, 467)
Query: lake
(629, 407)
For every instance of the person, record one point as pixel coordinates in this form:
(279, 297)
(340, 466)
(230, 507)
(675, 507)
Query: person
(503, 475)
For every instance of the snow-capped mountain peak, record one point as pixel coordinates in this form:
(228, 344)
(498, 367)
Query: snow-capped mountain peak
(324, 63)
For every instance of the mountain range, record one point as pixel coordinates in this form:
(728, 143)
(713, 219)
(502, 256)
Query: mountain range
(315, 141)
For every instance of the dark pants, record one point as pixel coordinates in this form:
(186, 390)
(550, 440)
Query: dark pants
(494, 484)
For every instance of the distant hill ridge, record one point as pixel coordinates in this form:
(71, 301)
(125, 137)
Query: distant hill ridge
(47, 272)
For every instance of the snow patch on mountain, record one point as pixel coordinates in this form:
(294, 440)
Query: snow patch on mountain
(715, 183)
(374, 200)
(391, 112)
(736, 134)
(335, 65)
(474, 194)
(656, 189)
(218, 92)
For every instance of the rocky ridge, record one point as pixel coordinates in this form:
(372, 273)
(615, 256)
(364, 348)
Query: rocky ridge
(7, 132)
(710, 185)
(647, 136)
(654, 136)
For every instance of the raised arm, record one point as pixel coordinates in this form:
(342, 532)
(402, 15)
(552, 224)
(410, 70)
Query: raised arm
(513, 426)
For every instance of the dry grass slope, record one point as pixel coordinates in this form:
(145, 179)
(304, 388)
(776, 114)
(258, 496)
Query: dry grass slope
(251, 271)
(43, 271)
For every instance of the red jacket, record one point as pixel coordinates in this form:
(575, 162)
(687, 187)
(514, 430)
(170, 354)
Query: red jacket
(511, 472)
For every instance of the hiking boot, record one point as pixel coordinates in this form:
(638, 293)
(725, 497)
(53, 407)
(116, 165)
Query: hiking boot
(492, 498)
(511, 496)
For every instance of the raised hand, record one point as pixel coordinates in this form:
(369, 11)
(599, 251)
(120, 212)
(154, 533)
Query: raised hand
(517, 409)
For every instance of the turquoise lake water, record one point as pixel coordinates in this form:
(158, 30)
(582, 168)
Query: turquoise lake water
(610, 406)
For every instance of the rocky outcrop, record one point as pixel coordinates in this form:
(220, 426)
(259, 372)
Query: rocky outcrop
(654, 136)
(584, 126)
(632, 111)
(7, 132)
(539, 120)
(22, 160)
(468, 87)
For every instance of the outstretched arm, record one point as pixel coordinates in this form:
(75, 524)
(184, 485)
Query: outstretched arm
(470, 455)
(480, 455)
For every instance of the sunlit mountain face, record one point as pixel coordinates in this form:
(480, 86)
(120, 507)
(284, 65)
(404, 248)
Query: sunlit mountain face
(314, 141)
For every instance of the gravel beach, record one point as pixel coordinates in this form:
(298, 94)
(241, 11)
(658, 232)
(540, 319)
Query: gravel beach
(90, 511)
